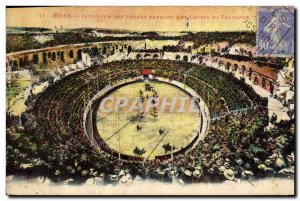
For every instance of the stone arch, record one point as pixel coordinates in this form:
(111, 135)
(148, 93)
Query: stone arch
(53, 56)
(164, 48)
(235, 67)
(7, 64)
(112, 52)
(104, 50)
(249, 53)
(189, 48)
(94, 50)
(221, 63)
(177, 57)
(26, 60)
(129, 49)
(185, 58)
(62, 55)
(15, 65)
(71, 54)
(155, 56)
(256, 80)
(200, 58)
(21, 61)
(250, 73)
(79, 56)
(271, 87)
(228, 64)
(263, 82)
(147, 56)
(138, 56)
(35, 58)
(243, 69)
(45, 61)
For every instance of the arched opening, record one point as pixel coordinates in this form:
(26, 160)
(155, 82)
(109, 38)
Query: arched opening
(26, 60)
(228, 64)
(71, 54)
(62, 55)
(164, 48)
(138, 56)
(104, 51)
(241, 52)
(155, 56)
(129, 49)
(49, 55)
(193, 58)
(58, 54)
(256, 80)
(221, 63)
(35, 58)
(177, 57)
(21, 61)
(263, 82)
(185, 58)
(243, 69)
(53, 57)
(200, 59)
(79, 56)
(271, 87)
(45, 58)
(15, 65)
(189, 48)
(235, 67)
(249, 53)
(250, 73)
(147, 56)
(112, 52)
(94, 51)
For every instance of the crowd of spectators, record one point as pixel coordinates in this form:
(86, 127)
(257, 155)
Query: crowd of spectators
(51, 141)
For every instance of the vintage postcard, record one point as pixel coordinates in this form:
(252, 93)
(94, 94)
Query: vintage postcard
(150, 101)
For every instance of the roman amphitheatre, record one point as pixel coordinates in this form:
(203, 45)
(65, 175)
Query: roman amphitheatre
(57, 130)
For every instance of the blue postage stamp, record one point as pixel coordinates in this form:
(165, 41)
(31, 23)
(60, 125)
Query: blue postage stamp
(275, 32)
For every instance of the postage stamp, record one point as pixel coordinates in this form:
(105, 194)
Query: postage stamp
(275, 32)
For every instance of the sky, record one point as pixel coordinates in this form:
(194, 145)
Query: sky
(136, 18)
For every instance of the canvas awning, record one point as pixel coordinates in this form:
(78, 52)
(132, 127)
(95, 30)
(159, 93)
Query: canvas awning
(146, 72)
